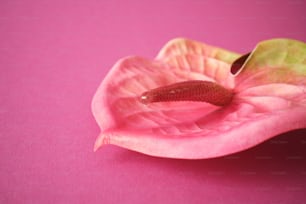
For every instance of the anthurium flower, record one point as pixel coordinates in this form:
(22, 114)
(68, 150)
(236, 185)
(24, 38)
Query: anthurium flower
(186, 103)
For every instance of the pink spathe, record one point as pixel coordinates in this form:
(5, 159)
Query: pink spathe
(197, 130)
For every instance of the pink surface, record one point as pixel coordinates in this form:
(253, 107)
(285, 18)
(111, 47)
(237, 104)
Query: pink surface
(53, 56)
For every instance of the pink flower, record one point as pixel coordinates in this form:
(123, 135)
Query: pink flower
(269, 98)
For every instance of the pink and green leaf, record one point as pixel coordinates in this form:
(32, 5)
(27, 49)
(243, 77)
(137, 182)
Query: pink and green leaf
(264, 104)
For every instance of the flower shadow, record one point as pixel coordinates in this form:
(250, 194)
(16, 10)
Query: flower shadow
(276, 161)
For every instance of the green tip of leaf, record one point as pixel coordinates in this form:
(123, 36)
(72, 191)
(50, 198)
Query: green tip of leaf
(276, 60)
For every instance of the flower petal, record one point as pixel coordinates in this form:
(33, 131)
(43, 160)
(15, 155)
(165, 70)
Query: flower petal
(262, 107)
(244, 134)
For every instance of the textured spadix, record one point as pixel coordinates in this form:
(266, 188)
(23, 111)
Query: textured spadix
(269, 99)
(195, 90)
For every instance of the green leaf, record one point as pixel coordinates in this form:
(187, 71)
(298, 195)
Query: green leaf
(275, 61)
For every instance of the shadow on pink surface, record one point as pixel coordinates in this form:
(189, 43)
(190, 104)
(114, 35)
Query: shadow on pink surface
(274, 159)
(289, 147)
(274, 171)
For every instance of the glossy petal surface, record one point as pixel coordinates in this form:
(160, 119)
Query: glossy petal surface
(261, 108)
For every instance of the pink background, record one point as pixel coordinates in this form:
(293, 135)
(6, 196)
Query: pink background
(53, 56)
